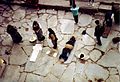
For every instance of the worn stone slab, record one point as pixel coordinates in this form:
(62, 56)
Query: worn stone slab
(45, 68)
(69, 71)
(58, 69)
(113, 71)
(85, 39)
(68, 15)
(42, 11)
(50, 78)
(52, 21)
(89, 47)
(84, 20)
(95, 55)
(113, 78)
(18, 15)
(79, 78)
(107, 59)
(11, 74)
(22, 77)
(92, 72)
(61, 14)
(67, 26)
(18, 56)
(80, 69)
(7, 13)
(106, 7)
(1, 19)
(34, 78)
(52, 11)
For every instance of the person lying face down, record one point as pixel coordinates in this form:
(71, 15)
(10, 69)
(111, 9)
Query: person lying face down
(67, 49)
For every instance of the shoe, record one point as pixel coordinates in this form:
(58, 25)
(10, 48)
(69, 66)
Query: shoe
(93, 4)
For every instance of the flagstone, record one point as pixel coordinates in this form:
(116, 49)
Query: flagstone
(92, 72)
(34, 78)
(69, 71)
(50, 78)
(67, 26)
(95, 55)
(107, 59)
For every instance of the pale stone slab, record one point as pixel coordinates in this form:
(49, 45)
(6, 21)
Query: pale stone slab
(51, 11)
(107, 59)
(84, 20)
(89, 47)
(18, 14)
(79, 78)
(87, 40)
(7, 13)
(42, 11)
(113, 78)
(28, 50)
(67, 26)
(92, 72)
(22, 77)
(34, 78)
(107, 7)
(58, 69)
(68, 15)
(113, 71)
(50, 78)
(52, 21)
(18, 56)
(45, 68)
(68, 74)
(11, 74)
(95, 55)
(61, 14)
(80, 69)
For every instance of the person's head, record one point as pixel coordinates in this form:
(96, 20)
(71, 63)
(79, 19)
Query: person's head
(74, 6)
(11, 29)
(73, 39)
(97, 22)
(35, 26)
(51, 31)
(81, 56)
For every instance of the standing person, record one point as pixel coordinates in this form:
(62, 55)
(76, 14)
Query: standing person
(98, 32)
(116, 12)
(91, 2)
(72, 2)
(53, 38)
(38, 31)
(108, 19)
(16, 37)
(74, 10)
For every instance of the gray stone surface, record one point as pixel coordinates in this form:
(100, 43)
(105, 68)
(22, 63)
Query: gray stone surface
(101, 62)
(67, 26)
(69, 71)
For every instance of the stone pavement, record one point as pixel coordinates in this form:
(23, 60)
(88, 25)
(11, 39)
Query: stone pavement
(102, 64)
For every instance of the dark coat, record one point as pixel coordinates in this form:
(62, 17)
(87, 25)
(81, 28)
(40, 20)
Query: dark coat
(98, 31)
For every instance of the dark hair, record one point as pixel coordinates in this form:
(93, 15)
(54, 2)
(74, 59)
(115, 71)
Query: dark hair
(74, 6)
(97, 22)
(81, 55)
(11, 29)
(51, 31)
(35, 26)
(72, 39)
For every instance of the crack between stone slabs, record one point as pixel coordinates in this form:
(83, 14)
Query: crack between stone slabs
(24, 51)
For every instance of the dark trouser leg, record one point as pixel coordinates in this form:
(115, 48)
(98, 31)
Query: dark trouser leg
(89, 0)
(99, 41)
(92, 1)
(54, 44)
(76, 19)
(70, 2)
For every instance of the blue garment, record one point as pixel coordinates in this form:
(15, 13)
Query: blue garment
(75, 11)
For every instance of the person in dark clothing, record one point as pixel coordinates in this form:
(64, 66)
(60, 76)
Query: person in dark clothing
(16, 37)
(98, 32)
(38, 31)
(116, 12)
(53, 38)
(108, 18)
(67, 49)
